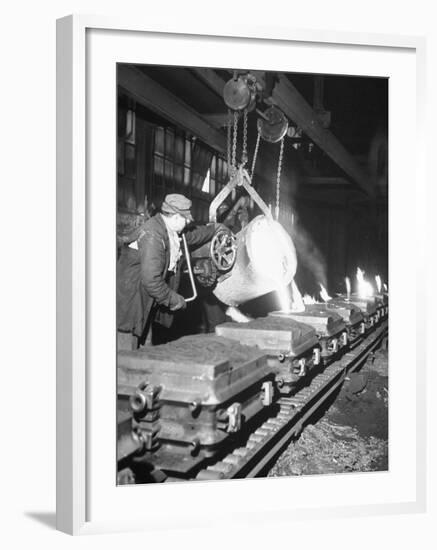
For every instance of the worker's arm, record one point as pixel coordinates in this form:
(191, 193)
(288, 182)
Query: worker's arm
(201, 234)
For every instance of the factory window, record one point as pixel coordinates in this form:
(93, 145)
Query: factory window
(216, 177)
(154, 159)
(206, 188)
(184, 165)
(127, 158)
(171, 159)
(219, 174)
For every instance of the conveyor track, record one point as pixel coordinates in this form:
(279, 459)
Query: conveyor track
(275, 433)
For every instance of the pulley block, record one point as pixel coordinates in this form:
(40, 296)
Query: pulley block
(273, 126)
(237, 94)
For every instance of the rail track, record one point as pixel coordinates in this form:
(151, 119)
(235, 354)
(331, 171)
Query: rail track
(255, 452)
(268, 441)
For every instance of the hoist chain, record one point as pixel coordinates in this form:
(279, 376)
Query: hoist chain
(278, 179)
(228, 152)
(244, 157)
(234, 145)
(255, 154)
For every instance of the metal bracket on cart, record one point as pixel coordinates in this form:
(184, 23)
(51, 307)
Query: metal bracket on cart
(230, 419)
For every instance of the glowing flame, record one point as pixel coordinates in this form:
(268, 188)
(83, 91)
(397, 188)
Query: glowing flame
(284, 298)
(365, 289)
(385, 287)
(348, 286)
(378, 283)
(297, 304)
(236, 315)
(324, 293)
(308, 300)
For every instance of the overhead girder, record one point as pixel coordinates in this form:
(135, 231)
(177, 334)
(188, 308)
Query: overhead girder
(160, 100)
(295, 107)
(157, 98)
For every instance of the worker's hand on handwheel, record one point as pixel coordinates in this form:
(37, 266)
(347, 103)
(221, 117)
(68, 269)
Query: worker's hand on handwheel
(220, 226)
(178, 303)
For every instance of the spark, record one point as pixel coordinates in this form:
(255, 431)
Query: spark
(307, 299)
(378, 283)
(348, 286)
(365, 289)
(324, 293)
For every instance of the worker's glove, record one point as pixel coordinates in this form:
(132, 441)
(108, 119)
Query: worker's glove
(177, 303)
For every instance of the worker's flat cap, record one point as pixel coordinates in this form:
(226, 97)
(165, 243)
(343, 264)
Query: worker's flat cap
(177, 204)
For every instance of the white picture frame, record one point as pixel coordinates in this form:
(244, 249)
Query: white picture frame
(78, 238)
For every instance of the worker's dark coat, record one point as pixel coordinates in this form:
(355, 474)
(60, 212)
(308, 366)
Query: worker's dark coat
(143, 280)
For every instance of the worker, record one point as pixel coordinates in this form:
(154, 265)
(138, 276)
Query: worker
(148, 272)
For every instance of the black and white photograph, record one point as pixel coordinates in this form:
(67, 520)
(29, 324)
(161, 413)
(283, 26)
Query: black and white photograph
(252, 273)
(218, 275)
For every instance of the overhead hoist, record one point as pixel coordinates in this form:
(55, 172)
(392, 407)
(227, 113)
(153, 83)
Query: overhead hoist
(214, 261)
(240, 95)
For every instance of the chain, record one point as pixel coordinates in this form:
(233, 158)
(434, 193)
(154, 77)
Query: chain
(278, 179)
(228, 143)
(234, 144)
(255, 154)
(244, 153)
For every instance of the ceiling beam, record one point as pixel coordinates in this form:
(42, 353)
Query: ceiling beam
(211, 79)
(294, 106)
(218, 120)
(157, 98)
(160, 100)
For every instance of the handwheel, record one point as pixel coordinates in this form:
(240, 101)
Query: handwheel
(223, 250)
